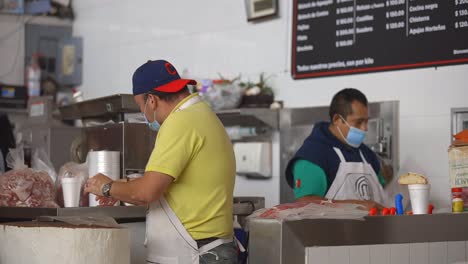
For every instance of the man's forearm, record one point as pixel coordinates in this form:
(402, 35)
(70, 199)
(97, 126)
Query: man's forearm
(140, 191)
(129, 192)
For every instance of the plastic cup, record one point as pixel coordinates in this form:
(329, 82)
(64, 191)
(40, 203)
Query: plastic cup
(419, 196)
(71, 191)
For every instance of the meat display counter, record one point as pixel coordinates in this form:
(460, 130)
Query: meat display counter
(437, 238)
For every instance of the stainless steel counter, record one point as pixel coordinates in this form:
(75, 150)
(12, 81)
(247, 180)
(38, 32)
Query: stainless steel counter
(120, 213)
(243, 206)
(273, 242)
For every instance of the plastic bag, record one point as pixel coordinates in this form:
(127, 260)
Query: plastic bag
(72, 170)
(40, 162)
(15, 159)
(222, 94)
(311, 210)
(25, 187)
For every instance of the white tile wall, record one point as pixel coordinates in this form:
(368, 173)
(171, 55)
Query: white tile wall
(438, 253)
(419, 253)
(359, 255)
(456, 252)
(214, 37)
(339, 255)
(408, 253)
(318, 255)
(379, 254)
(399, 254)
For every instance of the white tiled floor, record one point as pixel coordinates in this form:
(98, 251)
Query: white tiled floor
(411, 253)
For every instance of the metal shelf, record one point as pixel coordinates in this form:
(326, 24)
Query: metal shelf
(109, 106)
(14, 111)
(250, 117)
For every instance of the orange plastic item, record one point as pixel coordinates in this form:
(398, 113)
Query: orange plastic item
(373, 211)
(463, 136)
(409, 213)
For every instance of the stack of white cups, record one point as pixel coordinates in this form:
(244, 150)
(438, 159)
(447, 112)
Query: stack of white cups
(105, 162)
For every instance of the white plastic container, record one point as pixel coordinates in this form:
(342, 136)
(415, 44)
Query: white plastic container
(419, 196)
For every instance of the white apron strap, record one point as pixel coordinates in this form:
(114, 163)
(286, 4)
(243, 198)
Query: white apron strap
(206, 248)
(340, 154)
(362, 157)
(189, 102)
(186, 236)
(177, 224)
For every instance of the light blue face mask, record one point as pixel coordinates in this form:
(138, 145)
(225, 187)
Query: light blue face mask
(152, 125)
(355, 135)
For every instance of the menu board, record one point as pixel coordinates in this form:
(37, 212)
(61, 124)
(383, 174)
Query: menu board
(338, 37)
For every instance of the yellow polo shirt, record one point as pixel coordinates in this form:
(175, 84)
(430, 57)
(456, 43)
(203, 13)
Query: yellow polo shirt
(192, 146)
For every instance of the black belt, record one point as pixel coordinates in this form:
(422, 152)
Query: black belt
(205, 241)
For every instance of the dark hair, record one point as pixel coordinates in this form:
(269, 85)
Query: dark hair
(168, 97)
(341, 102)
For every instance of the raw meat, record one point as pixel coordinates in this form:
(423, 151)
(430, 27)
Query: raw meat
(27, 188)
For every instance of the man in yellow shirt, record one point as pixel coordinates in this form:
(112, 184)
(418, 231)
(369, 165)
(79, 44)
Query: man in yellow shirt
(189, 178)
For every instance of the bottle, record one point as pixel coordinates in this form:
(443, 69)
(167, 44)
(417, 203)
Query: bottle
(457, 201)
(33, 77)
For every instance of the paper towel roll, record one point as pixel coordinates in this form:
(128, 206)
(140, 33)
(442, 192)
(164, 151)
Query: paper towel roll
(105, 162)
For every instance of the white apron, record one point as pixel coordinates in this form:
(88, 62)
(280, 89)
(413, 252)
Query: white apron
(356, 181)
(167, 241)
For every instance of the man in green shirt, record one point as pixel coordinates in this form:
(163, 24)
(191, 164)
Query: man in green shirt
(333, 163)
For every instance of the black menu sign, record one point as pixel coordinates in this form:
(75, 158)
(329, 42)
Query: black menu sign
(337, 37)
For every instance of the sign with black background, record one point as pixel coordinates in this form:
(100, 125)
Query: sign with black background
(338, 37)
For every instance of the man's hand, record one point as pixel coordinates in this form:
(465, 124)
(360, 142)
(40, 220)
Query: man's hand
(106, 201)
(94, 185)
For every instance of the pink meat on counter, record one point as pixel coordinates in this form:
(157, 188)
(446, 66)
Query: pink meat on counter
(27, 188)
